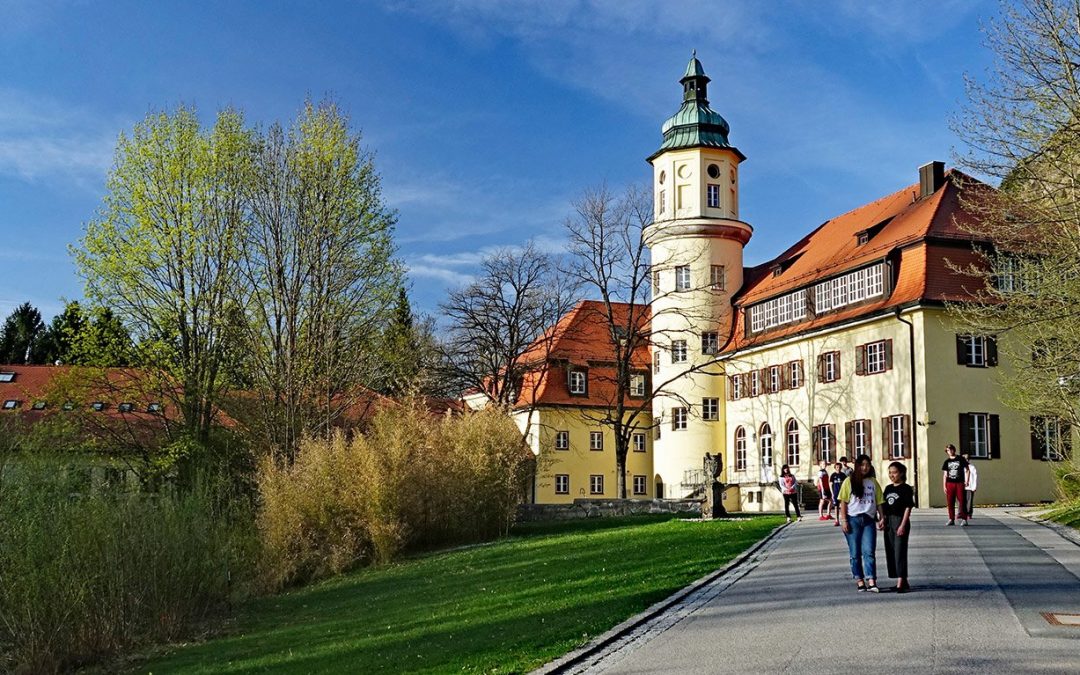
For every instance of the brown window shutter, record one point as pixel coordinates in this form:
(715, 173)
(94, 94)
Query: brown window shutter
(763, 381)
(836, 446)
(991, 351)
(849, 437)
(888, 354)
(907, 435)
(815, 435)
(965, 433)
(802, 372)
(870, 439)
(837, 365)
(730, 388)
(784, 376)
(1037, 426)
(821, 368)
(961, 350)
(995, 437)
(860, 360)
(886, 438)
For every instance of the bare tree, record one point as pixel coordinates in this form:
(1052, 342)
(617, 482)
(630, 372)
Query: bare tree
(1022, 125)
(496, 319)
(609, 256)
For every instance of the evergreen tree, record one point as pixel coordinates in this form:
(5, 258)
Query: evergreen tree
(21, 336)
(102, 341)
(64, 327)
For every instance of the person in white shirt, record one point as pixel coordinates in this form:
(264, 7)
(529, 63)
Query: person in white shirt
(971, 484)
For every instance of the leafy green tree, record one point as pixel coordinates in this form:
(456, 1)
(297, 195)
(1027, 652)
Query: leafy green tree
(21, 336)
(407, 352)
(103, 341)
(319, 275)
(164, 252)
(1022, 123)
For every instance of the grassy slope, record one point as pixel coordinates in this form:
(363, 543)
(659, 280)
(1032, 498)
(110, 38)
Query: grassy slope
(504, 607)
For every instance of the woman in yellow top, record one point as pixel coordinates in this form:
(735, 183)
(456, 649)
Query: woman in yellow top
(860, 510)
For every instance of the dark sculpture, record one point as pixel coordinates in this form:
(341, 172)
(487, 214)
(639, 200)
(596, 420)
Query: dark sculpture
(714, 489)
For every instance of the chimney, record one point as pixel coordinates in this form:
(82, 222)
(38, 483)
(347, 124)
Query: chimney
(931, 177)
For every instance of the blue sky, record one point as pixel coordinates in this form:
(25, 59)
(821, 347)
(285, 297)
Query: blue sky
(487, 117)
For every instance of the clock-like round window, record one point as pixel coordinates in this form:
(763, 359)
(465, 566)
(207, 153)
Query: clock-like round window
(684, 171)
(714, 171)
(663, 177)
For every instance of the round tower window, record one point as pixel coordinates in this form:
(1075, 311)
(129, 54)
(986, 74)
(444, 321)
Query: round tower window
(663, 176)
(684, 171)
(714, 171)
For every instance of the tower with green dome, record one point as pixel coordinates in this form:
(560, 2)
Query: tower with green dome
(696, 243)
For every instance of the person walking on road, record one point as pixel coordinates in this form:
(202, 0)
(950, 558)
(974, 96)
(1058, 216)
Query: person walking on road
(954, 475)
(789, 487)
(860, 506)
(899, 500)
(824, 509)
(970, 486)
(835, 481)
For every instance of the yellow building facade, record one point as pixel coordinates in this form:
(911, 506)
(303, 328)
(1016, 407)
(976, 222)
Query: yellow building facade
(842, 345)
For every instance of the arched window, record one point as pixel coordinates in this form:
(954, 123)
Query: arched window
(792, 443)
(765, 445)
(740, 449)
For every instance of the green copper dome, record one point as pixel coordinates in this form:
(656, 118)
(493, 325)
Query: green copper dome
(695, 125)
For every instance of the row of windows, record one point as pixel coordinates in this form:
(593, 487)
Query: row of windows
(577, 383)
(896, 440)
(684, 281)
(848, 289)
(979, 434)
(680, 353)
(596, 441)
(97, 406)
(596, 484)
(768, 380)
(680, 416)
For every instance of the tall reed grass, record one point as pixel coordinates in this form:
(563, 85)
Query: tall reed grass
(410, 481)
(84, 576)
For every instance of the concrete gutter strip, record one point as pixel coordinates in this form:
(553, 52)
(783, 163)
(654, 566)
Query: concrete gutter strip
(604, 640)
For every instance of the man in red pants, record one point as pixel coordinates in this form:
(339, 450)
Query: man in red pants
(954, 474)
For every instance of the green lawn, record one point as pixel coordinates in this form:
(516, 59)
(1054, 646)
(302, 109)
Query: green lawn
(499, 608)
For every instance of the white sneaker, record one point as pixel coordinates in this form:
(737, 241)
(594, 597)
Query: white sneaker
(963, 523)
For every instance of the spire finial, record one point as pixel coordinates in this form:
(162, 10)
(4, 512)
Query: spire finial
(693, 53)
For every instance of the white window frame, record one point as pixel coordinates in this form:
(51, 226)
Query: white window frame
(678, 351)
(596, 484)
(860, 436)
(640, 485)
(679, 419)
(563, 478)
(637, 384)
(717, 277)
(638, 442)
(794, 375)
(975, 350)
(775, 378)
(578, 381)
(596, 440)
(710, 342)
(830, 363)
(682, 278)
(662, 199)
(736, 387)
(791, 446)
(980, 435)
(765, 445)
(755, 382)
(710, 409)
(740, 449)
(562, 440)
(712, 195)
(875, 357)
(826, 443)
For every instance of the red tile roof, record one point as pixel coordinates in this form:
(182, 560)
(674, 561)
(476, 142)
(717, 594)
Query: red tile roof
(920, 236)
(581, 339)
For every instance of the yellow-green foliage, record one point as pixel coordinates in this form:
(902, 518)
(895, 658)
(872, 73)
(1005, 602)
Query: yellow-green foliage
(412, 480)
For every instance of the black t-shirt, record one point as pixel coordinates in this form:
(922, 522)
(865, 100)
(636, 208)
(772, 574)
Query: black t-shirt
(898, 498)
(836, 480)
(954, 469)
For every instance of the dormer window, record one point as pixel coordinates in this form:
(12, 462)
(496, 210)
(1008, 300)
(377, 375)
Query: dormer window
(153, 408)
(68, 406)
(38, 405)
(863, 237)
(777, 270)
(7, 376)
(97, 406)
(11, 404)
(126, 407)
(578, 383)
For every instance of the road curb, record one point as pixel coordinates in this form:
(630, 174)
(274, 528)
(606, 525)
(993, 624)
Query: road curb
(1064, 531)
(602, 641)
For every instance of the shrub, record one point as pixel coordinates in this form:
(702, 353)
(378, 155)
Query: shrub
(84, 576)
(412, 480)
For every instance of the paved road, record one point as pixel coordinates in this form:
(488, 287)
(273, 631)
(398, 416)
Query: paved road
(979, 594)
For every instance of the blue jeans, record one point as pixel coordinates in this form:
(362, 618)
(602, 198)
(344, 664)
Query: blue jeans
(861, 543)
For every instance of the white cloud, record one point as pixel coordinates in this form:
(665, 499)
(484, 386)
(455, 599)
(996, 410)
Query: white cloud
(42, 138)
